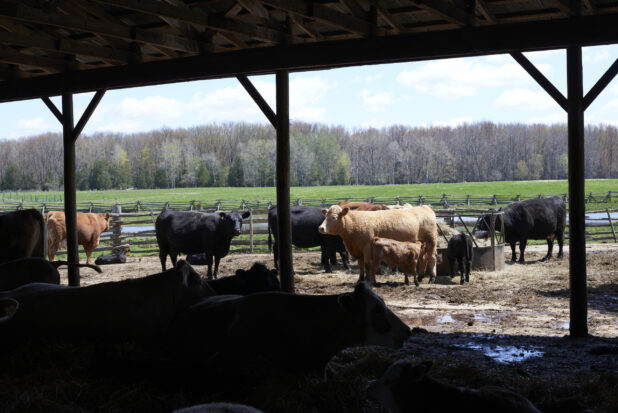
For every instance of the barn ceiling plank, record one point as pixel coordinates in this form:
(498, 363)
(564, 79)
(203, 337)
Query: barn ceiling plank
(540, 79)
(473, 41)
(481, 6)
(325, 14)
(448, 12)
(86, 24)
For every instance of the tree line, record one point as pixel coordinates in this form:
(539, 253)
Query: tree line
(243, 154)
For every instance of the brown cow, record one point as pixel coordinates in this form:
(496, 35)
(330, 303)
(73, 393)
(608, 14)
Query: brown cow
(405, 388)
(89, 228)
(395, 254)
(362, 206)
(357, 229)
(22, 235)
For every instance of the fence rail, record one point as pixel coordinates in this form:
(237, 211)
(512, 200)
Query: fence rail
(12, 201)
(602, 228)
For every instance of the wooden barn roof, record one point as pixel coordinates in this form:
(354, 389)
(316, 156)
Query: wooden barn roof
(49, 47)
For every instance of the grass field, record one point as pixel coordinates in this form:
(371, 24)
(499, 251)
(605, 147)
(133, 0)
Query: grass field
(596, 186)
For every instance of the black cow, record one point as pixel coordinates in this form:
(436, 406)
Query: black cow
(538, 218)
(24, 271)
(305, 222)
(22, 234)
(460, 249)
(192, 232)
(257, 279)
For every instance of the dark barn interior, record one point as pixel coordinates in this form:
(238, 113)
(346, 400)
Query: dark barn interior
(63, 47)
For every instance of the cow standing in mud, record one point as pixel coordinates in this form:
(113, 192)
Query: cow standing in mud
(396, 254)
(358, 228)
(538, 218)
(192, 232)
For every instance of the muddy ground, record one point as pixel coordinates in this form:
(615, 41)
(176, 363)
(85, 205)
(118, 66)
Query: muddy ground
(507, 328)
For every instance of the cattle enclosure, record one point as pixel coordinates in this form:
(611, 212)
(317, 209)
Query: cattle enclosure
(504, 328)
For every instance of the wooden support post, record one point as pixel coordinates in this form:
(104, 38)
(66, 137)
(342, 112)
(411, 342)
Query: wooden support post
(283, 181)
(70, 203)
(611, 224)
(577, 229)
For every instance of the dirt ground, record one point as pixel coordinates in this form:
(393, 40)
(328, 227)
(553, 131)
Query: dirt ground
(508, 328)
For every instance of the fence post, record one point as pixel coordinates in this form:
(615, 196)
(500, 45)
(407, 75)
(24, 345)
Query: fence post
(420, 199)
(398, 201)
(91, 207)
(494, 201)
(191, 205)
(218, 204)
(611, 224)
(444, 201)
(518, 197)
(251, 230)
(468, 200)
(116, 224)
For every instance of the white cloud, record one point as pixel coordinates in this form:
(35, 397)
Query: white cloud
(454, 78)
(37, 124)
(368, 78)
(598, 54)
(230, 103)
(122, 125)
(611, 106)
(545, 54)
(376, 102)
(132, 115)
(453, 122)
(525, 99)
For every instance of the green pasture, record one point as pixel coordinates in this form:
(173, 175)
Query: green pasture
(318, 192)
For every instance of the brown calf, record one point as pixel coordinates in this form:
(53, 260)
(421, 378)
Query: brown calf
(402, 254)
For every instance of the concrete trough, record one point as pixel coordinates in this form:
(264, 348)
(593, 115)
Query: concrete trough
(485, 259)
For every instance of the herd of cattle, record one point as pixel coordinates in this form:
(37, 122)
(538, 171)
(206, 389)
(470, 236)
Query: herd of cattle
(188, 317)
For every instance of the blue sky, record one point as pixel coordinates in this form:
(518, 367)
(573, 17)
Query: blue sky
(439, 92)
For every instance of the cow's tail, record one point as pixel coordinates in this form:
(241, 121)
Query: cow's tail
(68, 264)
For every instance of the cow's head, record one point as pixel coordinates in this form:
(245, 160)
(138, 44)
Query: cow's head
(332, 219)
(381, 326)
(259, 278)
(104, 221)
(8, 308)
(393, 390)
(233, 220)
(484, 221)
(190, 287)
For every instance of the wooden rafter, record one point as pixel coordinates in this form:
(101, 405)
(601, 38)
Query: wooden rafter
(448, 12)
(324, 14)
(389, 18)
(481, 6)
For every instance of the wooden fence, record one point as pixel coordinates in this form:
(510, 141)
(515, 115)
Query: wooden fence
(13, 201)
(257, 225)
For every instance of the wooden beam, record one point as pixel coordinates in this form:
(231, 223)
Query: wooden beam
(601, 84)
(472, 41)
(481, 6)
(578, 326)
(447, 11)
(258, 99)
(9, 55)
(90, 25)
(52, 108)
(70, 204)
(283, 181)
(388, 17)
(540, 79)
(195, 16)
(255, 7)
(323, 13)
(94, 102)
(67, 46)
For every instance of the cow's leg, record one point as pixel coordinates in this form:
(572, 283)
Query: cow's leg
(345, 258)
(276, 255)
(209, 263)
(173, 257)
(430, 261)
(361, 268)
(514, 256)
(522, 248)
(372, 273)
(468, 266)
(217, 259)
(325, 259)
(332, 256)
(451, 264)
(163, 257)
(550, 248)
(560, 236)
(460, 267)
(405, 275)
